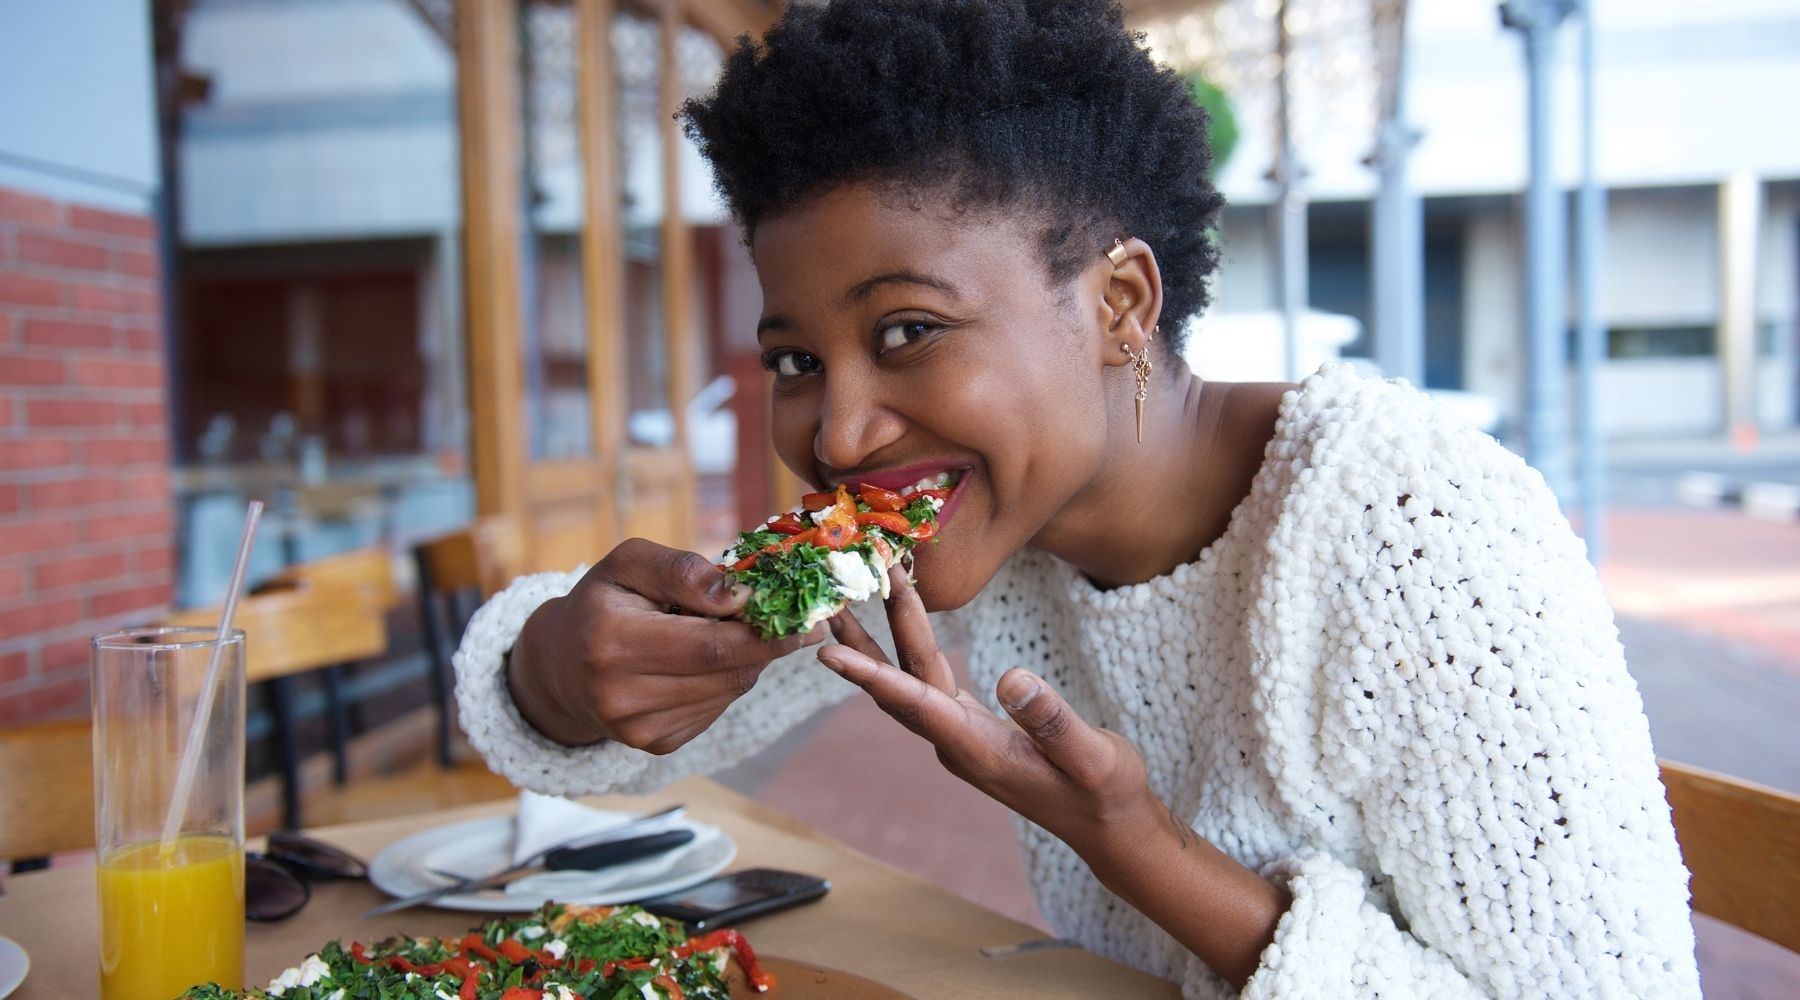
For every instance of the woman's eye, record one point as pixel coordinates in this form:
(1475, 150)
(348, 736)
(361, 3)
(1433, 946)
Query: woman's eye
(896, 335)
(790, 364)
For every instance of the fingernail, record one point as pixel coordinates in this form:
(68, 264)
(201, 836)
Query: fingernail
(1018, 691)
(729, 591)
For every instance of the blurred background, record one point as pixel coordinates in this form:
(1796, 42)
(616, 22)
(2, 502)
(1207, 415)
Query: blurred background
(441, 280)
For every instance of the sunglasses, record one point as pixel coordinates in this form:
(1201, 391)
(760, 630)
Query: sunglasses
(276, 882)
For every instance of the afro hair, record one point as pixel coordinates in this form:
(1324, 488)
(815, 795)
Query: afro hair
(1050, 107)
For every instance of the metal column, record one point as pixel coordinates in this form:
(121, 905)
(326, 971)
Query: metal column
(1546, 388)
(1740, 209)
(1590, 333)
(1288, 213)
(1396, 225)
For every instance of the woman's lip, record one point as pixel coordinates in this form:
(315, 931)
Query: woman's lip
(894, 479)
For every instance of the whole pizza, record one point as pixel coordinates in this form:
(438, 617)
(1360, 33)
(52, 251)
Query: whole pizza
(563, 951)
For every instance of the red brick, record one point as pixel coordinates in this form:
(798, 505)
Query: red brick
(113, 299)
(155, 524)
(25, 290)
(17, 206)
(144, 338)
(55, 251)
(111, 374)
(62, 655)
(12, 498)
(65, 333)
(153, 559)
(18, 454)
(96, 220)
(149, 415)
(37, 535)
(71, 413)
(14, 667)
(137, 265)
(39, 617)
(63, 699)
(148, 486)
(76, 492)
(111, 453)
(65, 572)
(117, 602)
(27, 369)
(12, 584)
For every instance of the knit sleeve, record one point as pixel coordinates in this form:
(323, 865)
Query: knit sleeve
(790, 689)
(1468, 709)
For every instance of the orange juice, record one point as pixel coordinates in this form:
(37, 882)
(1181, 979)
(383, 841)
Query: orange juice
(171, 921)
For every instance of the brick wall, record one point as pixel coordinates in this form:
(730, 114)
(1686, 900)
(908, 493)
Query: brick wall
(86, 516)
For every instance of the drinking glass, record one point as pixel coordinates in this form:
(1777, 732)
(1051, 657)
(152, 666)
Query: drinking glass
(171, 914)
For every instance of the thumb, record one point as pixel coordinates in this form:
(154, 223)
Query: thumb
(1067, 741)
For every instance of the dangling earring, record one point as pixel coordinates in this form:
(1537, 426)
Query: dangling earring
(1140, 360)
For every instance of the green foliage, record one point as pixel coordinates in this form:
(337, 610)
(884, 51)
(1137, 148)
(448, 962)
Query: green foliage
(1222, 125)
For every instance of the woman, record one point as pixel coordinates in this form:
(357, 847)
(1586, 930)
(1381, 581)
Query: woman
(1314, 680)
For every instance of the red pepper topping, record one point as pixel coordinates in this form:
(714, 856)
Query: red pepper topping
(629, 965)
(787, 524)
(934, 494)
(835, 535)
(819, 501)
(880, 499)
(472, 943)
(522, 993)
(887, 521)
(760, 981)
(669, 987)
(922, 531)
(469, 984)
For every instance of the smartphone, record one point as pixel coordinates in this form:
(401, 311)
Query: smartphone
(728, 899)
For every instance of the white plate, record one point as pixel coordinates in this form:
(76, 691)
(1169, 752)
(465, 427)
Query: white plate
(403, 868)
(13, 966)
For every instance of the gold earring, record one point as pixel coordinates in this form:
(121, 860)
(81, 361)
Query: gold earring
(1140, 360)
(1118, 253)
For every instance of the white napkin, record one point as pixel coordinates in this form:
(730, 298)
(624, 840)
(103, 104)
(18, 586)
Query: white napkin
(544, 821)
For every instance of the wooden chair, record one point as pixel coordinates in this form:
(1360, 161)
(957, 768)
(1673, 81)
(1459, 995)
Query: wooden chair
(1741, 841)
(456, 573)
(369, 570)
(46, 789)
(298, 626)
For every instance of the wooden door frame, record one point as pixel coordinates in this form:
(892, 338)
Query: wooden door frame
(507, 480)
(487, 106)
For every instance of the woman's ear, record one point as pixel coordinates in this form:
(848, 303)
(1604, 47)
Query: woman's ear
(1131, 299)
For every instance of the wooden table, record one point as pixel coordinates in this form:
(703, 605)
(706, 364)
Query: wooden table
(877, 922)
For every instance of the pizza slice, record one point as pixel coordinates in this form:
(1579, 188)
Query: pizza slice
(563, 951)
(835, 548)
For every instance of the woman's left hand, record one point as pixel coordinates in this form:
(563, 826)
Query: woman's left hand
(1083, 784)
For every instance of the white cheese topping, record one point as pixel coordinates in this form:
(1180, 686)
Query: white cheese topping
(851, 574)
(310, 971)
(645, 919)
(556, 948)
(531, 932)
(819, 516)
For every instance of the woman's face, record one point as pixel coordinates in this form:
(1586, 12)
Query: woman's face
(909, 341)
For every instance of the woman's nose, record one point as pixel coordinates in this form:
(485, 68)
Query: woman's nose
(853, 426)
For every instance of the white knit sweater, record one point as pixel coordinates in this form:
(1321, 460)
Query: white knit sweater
(1393, 684)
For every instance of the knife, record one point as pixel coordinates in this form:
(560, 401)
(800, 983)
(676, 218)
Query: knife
(590, 851)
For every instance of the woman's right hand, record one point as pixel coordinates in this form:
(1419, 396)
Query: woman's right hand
(635, 653)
